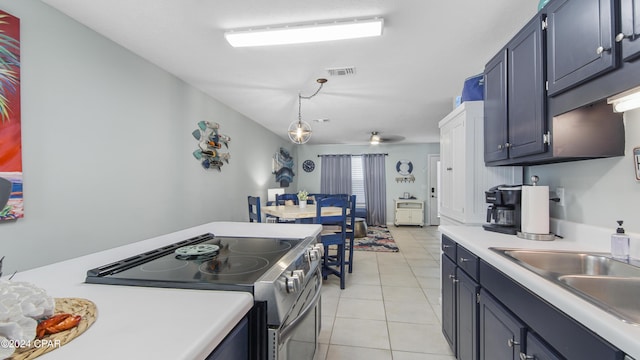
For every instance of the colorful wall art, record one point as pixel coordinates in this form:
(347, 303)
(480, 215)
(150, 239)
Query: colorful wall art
(11, 205)
(283, 167)
(210, 142)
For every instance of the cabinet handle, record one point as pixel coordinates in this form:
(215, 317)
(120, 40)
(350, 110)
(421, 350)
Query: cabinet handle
(524, 356)
(500, 146)
(463, 259)
(512, 343)
(449, 168)
(622, 36)
(445, 246)
(601, 49)
(507, 145)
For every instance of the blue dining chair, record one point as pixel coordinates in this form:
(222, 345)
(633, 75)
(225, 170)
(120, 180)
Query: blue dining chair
(281, 198)
(351, 230)
(254, 209)
(333, 234)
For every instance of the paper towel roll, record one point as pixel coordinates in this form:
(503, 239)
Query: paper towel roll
(535, 209)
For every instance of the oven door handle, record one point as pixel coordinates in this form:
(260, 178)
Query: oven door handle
(284, 332)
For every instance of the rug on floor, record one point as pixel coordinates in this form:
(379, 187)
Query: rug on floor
(378, 239)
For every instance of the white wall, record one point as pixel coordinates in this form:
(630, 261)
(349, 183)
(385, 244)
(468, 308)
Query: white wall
(416, 153)
(598, 192)
(106, 140)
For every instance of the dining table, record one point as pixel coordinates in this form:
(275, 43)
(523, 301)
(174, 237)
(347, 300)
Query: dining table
(300, 215)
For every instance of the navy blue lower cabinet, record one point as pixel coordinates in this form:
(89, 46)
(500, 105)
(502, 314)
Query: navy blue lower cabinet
(235, 346)
(501, 333)
(459, 299)
(467, 316)
(570, 339)
(449, 301)
(538, 349)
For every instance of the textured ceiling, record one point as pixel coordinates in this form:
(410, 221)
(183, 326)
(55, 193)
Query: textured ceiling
(405, 80)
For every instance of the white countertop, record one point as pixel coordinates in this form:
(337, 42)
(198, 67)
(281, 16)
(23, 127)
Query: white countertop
(153, 323)
(581, 238)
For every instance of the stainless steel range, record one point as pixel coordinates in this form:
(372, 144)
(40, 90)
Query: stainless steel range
(282, 274)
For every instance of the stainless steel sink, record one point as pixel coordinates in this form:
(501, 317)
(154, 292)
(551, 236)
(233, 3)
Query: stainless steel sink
(569, 263)
(609, 284)
(618, 295)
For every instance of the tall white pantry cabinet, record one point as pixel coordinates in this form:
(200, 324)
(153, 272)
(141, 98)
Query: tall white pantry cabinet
(463, 176)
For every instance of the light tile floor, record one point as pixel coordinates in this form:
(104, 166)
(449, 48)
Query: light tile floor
(390, 308)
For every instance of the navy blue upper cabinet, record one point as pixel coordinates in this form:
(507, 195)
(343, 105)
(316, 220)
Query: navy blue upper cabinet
(495, 108)
(630, 32)
(580, 42)
(515, 97)
(526, 91)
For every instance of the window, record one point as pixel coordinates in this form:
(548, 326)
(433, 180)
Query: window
(357, 181)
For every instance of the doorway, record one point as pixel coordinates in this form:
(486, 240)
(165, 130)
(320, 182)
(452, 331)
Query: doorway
(434, 189)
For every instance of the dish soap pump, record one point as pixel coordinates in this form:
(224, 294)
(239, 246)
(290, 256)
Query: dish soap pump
(620, 243)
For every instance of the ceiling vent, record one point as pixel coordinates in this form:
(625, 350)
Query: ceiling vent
(343, 71)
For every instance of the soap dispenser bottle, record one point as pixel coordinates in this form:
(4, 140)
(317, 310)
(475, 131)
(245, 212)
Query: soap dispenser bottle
(620, 243)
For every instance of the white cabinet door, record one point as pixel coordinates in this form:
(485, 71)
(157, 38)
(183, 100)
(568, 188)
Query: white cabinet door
(446, 167)
(452, 153)
(403, 217)
(458, 172)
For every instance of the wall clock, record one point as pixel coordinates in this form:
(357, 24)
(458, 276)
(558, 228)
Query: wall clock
(308, 165)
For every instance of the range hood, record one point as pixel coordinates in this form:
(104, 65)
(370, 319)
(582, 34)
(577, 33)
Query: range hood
(589, 132)
(592, 131)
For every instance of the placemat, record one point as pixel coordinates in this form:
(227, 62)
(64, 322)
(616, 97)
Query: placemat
(76, 306)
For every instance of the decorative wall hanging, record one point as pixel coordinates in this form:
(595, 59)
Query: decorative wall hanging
(11, 204)
(409, 178)
(282, 165)
(210, 142)
(308, 166)
(404, 167)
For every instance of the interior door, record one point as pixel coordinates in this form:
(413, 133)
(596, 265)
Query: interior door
(434, 190)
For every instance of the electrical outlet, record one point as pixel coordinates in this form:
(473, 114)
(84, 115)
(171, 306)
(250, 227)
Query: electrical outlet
(560, 195)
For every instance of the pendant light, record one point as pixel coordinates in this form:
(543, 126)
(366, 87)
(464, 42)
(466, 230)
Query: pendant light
(300, 131)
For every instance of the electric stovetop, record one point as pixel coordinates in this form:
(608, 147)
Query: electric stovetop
(202, 262)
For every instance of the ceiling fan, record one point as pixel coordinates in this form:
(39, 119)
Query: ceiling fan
(376, 138)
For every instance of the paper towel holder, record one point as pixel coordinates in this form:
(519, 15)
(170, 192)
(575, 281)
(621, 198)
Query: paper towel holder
(537, 237)
(534, 180)
(534, 236)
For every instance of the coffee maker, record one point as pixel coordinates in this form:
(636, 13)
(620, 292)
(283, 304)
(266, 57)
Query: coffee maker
(504, 213)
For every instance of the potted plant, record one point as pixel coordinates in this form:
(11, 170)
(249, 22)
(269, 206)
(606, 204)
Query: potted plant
(302, 198)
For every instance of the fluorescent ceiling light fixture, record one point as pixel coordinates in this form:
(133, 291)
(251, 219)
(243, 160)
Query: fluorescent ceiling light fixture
(305, 33)
(626, 101)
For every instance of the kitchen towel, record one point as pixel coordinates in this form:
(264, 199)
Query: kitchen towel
(535, 209)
